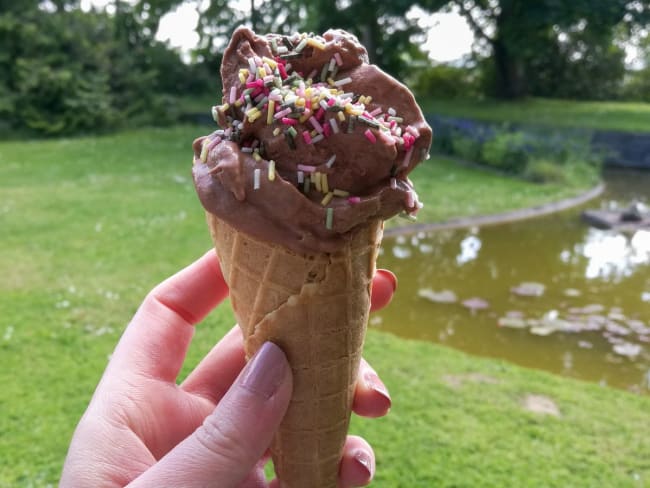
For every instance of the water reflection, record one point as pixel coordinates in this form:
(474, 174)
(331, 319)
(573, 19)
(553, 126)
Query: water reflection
(558, 294)
(612, 255)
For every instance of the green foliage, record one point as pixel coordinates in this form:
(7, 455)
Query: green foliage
(445, 81)
(506, 151)
(543, 170)
(69, 72)
(465, 147)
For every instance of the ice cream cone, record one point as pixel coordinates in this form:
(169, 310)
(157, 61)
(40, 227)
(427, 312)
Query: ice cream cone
(315, 307)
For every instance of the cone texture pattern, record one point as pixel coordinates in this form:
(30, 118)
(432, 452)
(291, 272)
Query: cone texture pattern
(315, 307)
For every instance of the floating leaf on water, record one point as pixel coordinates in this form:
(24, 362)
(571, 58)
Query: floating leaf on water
(512, 322)
(475, 303)
(542, 330)
(593, 308)
(529, 289)
(628, 349)
(515, 314)
(444, 296)
(571, 292)
(615, 328)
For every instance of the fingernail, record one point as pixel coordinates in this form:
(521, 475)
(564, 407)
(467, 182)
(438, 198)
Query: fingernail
(374, 383)
(265, 371)
(364, 461)
(390, 276)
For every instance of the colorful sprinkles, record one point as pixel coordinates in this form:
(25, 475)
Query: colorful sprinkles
(307, 109)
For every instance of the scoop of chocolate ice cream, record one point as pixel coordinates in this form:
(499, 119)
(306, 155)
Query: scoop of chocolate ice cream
(314, 141)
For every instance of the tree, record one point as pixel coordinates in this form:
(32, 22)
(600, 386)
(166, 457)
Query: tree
(546, 39)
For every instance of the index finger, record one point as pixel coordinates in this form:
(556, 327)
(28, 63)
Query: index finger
(155, 342)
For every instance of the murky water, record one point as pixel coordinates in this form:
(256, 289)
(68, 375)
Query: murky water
(549, 293)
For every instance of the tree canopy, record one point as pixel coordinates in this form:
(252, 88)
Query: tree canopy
(63, 70)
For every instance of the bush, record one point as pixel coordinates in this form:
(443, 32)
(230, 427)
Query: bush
(541, 170)
(445, 81)
(507, 151)
(466, 147)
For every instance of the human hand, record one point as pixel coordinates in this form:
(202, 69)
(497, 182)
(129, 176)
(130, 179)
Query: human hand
(143, 429)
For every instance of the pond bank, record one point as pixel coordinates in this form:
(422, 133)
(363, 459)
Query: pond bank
(500, 218)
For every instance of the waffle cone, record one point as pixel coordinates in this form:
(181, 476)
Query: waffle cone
(315, 307)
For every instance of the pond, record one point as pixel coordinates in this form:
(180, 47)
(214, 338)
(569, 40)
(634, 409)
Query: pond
(550, 293)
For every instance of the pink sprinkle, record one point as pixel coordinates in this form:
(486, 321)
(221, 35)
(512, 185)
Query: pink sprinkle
(233, 94)
(283, 71)
(213, 143)
(327, 130)
(338, 58)
(320, 114)
(289, 121)
(282, 113)
(370, 136)
(331, 102)
(306, 137)
(354, 200)
(407, 157)
(306, 169)
(413, 131)
(376, 112)
(410, 199)
(308, 104)
(316, 124)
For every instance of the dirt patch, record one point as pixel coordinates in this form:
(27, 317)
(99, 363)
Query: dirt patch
(541, 404)
(457, 380)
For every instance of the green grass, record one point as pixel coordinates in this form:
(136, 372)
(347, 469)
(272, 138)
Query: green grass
(449, 190)
(622, 116)
(89, 225)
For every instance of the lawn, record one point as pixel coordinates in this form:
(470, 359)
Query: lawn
(620, 116)
(89, 225)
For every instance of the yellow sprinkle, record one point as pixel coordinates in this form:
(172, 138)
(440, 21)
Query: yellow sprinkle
(341, 193)
(327, 199)
(269, 112)
(341, 116)
(257, 157)
(224, 107)
(324, 184)
(368, 98)
(271, 62)
(204, 150)
(314, 43)
(271, 170)
(243, 74)
(315, 178)
(330, 81)
(308, 92)
(276, 131)
(261, 72)
(238, 102)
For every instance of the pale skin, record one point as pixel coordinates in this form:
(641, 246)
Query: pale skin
(144, 429)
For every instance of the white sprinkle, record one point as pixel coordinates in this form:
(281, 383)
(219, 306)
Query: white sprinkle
(332, 64)
(301, 177)
(251, 65)
(318, 138)
(338, 58)
(343, 81)
(323, 104)
(256, 179)
(233, 94)
(335, 125)
(392, 112)
(247, 149)
(330, 161)
(393, 184)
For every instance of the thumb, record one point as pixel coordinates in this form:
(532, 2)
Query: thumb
(234, 437)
